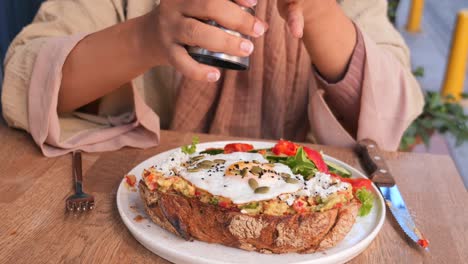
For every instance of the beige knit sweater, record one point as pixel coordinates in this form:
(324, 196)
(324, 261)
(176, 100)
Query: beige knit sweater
(390, 97)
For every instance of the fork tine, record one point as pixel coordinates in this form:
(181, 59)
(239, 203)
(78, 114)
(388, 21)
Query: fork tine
(84, 206)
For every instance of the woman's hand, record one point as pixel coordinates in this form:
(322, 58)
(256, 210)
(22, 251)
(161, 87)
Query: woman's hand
(296, 12)
(327, 33)
(176, 23)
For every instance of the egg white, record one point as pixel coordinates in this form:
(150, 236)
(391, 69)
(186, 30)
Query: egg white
(236, 187)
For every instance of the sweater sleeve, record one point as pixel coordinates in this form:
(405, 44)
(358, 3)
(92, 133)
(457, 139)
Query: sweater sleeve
(344, 96)
(33, 72)
(390, 97)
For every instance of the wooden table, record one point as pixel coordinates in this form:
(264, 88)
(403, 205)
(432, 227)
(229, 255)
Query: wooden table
(34, 227)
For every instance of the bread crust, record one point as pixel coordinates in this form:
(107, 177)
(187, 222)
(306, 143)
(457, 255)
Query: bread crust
(191, 219)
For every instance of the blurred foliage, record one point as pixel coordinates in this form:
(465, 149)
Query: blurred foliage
(392, 9)
(419, 72)
(440, 114)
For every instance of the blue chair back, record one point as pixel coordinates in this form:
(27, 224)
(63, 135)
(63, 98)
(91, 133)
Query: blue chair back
(14, 15)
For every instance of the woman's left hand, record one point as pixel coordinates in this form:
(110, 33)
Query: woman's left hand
(293, 12)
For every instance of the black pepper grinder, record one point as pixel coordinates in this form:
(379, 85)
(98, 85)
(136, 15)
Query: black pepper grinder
(218, 59)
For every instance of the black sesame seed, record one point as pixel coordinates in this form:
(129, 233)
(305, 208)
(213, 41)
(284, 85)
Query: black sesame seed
(225, 185)
(203, 179)
(172, 159)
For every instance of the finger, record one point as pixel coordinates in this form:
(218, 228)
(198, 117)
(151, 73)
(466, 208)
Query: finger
(247, 3)
(227, 14)
(196, 33)
(296, 19)
(182, 61)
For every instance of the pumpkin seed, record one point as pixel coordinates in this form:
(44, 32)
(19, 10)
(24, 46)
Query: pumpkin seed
(194, 169)
(243, 172)
(285, 175)
(204, 166)
(219, 161)
(291, 180)
(253, 184)
(197, 158)
(207, 162)
(263, 189)
(256, 170)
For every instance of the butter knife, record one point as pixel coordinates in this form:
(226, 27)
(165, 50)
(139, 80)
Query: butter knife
(377, 169)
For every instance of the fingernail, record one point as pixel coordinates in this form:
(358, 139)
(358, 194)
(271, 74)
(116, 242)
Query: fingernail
(246, 47)
(213, 76)
(259, 28)
(252, 2)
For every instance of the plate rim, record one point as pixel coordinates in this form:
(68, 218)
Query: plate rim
(183, 257)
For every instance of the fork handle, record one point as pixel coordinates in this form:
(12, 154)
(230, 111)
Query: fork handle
(77, 172)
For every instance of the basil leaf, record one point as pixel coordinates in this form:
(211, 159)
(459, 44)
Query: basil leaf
(190, 149)
(300, 164)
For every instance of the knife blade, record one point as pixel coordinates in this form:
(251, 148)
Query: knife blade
(377, 169)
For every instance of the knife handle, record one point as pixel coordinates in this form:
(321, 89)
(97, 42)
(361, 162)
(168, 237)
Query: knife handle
(373, 163)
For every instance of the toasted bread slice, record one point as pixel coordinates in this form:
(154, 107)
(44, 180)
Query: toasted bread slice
(191, 219)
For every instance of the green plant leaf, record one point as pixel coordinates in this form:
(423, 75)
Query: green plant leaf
(419, 72)
(440, 115)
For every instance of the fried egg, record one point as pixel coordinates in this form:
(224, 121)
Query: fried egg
(240, 176)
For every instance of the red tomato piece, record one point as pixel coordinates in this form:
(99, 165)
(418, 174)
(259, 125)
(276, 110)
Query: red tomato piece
(131, 180)
(317, 159)
(285, 147)
(153, 186)
(338, 205)
(299, 206)
(423, 243)
(358, 183)
(237, 147)
(224, 204)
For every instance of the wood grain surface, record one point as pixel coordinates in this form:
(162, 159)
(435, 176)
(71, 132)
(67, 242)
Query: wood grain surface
(34, 227)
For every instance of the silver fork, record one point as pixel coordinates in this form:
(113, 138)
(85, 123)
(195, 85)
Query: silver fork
(80, 201)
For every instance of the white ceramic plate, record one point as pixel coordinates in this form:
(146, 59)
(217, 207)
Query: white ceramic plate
(177, 250)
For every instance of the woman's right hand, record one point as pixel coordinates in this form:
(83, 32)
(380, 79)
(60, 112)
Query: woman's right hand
(174, 24)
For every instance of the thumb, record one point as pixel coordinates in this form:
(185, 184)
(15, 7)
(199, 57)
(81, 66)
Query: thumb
(295, 19)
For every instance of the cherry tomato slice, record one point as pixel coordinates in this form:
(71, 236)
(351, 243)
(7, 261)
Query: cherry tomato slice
(285, 147)
(357, 183)
(317, 159)
(237, 147)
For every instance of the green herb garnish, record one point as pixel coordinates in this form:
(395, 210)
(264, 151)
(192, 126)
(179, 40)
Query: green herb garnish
(252, 205)
(190, 149)
(214, 201)
(212, 151)
(367, 200)
(300, 164)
